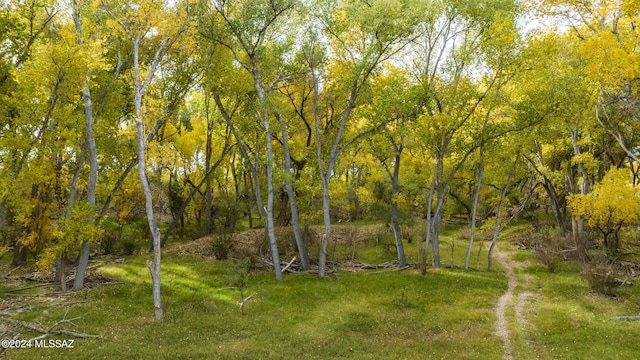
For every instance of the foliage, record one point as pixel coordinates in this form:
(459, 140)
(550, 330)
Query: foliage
(612, 204)
(222, 246)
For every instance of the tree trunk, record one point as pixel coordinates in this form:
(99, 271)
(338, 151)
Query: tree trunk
(322, 257)
(270, 228)
(429, 231)
(247, 192)
(93, 160)
(61, 269)
(295, 222)
(208, 197)
(558, 208)
(154, 268)
(20, 252)
(3, 212)
(577, 224)
(402, 260)
(496, 230)
(474, 210)
(441, 188)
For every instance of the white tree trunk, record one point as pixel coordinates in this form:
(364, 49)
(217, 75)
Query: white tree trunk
(474, 210)
(326, 205)
(496, 230)
(93, 158)
(270, 228)
(395, 179)
(154, 268)
(295, 222)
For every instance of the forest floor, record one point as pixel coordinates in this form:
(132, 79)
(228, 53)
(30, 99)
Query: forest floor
(519, 310)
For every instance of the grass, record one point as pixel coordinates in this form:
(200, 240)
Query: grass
(449, 313)
(395, 315)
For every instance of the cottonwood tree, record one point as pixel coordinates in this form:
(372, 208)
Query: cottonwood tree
(22, 28)
(140, 23)
(611, 205)
(609, 40)
(362, 36)
(250, 31)
(459, 41)
(394, 106)
(90, 142)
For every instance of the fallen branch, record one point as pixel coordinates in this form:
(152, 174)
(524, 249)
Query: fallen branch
(289, 264)
(29, 287)
(628, 318)
(389, 270)
(52, 329)
(243, 301)
(12, 270)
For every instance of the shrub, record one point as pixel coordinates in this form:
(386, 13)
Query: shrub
(221, 246)
(602, 275)
(129, 246)
(549, 243)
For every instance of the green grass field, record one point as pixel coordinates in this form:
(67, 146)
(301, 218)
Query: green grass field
(446, 314)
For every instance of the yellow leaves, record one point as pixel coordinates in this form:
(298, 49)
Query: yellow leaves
(611, 62)
(502, 32)
(613, 202)
(587, 160)
(632, 9)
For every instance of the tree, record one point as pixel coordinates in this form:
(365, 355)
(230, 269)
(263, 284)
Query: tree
(91, 148)
(613, 203)
(137, 22)
(609, 41)
(459, 39)
(389, 143)
(22, 26)
(246, 29)
(363, 36)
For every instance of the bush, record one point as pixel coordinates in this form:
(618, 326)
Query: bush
(602, 275)
(129, 246)
(549, 245)
(221, 246)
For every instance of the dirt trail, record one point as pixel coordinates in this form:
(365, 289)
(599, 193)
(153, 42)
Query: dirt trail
(506, 302)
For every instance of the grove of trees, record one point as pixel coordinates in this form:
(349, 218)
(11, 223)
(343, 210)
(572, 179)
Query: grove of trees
(263, 113)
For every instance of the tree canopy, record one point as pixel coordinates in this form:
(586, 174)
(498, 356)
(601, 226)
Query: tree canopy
(245, 114)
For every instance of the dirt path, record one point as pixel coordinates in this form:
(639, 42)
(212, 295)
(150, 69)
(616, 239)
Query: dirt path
(506, 302)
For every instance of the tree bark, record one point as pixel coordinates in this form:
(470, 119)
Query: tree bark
(154, 268)
(429, 230)
(208, 198)
(441, 188)
(577, 224)
(326, 217)
(93, 158)
(395, 226)
(295, 222)
(474, 210)
(270, 228)
(496, 230)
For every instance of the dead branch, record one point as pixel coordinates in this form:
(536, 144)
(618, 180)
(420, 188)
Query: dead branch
(52, 329)
(12, 270)
(244, 301)
(390, 270)
(29, 287)
(289, 264)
